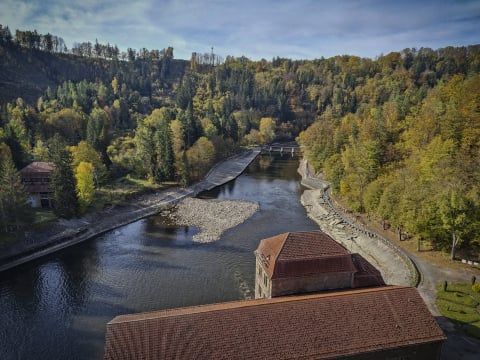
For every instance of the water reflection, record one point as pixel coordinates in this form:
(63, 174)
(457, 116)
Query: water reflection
(57, 307)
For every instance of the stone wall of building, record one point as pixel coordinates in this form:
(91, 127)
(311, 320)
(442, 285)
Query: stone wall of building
(263, 284)
(308, 284)
(268, 288)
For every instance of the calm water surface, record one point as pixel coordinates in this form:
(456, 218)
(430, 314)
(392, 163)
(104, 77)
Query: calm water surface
(58, 306)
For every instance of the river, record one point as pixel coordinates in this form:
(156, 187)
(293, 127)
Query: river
(57, 307)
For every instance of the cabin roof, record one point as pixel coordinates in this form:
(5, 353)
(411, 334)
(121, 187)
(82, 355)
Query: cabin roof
(37, 167)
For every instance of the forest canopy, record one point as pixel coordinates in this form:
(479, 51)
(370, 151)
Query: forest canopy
(397, 136)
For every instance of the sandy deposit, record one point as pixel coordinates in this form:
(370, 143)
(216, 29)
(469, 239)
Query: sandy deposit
(212, 217)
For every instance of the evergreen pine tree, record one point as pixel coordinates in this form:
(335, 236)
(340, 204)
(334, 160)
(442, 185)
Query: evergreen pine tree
(65, 198)
(167, 158)
(15, 211)
(185, 174)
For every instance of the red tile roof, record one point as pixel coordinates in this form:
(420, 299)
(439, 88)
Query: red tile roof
(303, 253)
(298, 327)
(37, 167)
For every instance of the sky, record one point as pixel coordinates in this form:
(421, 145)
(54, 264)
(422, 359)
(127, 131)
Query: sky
(296, 29)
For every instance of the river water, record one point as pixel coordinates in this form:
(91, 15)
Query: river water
(58, 307)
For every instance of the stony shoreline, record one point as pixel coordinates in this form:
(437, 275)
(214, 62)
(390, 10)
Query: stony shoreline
(212, 217)
(394, 270)
(65, 233)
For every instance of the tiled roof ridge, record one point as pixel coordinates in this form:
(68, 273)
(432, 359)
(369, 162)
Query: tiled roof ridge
(273, 254)
(293, 234)
(322, 237)
(285, 239)
(237, 304)
(316, 257)
(38, 166)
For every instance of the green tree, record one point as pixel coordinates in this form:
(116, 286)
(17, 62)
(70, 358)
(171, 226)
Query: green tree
(40, 151)
(185, 170)
(388, 204)
(17, 140)
(361, 163)
(457, 213)
(253, 137)
(201, 156)
(231, 128)
(154, 151)
(97, 129)
(334, 171)
(145, 153)
(178, 136)
(69, 123)
(165, 155)
(63, 184)
(120, 114)
(4, 151)
(15, 211)
(122, 152)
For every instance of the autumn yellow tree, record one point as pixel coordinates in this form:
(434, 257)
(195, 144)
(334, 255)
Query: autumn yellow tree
(178, 135)
(253, 137)
(115, 86)
(85, 184)
(201, 156)
(267, 130)
(84, 152)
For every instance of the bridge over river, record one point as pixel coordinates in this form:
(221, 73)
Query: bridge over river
(289, 148)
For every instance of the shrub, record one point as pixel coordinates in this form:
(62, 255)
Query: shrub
(476, 288)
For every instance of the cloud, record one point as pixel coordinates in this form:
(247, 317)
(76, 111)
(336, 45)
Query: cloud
(256, 29)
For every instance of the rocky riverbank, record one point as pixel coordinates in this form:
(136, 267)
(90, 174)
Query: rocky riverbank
(65, 233)
(212, 217)
(392, 266)
(387, 260)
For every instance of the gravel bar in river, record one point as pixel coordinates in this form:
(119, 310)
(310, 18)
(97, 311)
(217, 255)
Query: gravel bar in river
(212, 217)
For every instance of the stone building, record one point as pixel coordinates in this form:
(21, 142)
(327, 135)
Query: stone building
(361, 319)
(389, 322)
(305, 262)
(37, 177)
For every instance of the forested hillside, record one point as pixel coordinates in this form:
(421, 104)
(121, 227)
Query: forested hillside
(407, 152)
(397, 136)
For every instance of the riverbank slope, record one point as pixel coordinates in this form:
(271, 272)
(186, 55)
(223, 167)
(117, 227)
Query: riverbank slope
(395, 269)
(458, 345)
(64, 233)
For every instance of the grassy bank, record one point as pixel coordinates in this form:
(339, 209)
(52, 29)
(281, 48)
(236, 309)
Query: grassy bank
(461, 304)
(116, 192)
(124, 189)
